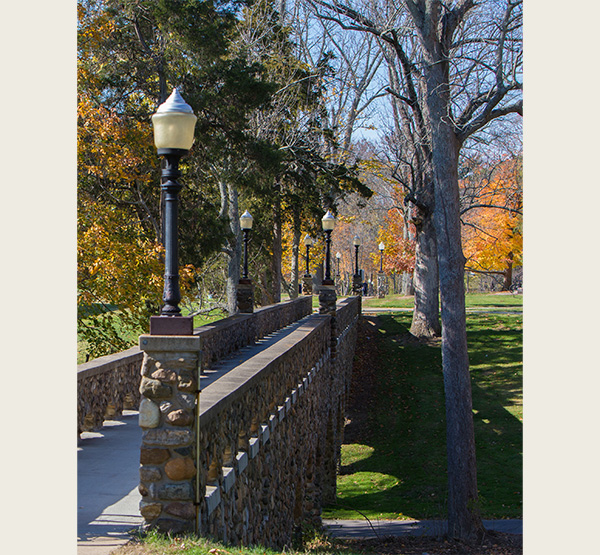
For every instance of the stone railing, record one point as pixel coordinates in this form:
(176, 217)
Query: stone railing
(109, 384)
(255, 453)
(231, 334)
(106, 386)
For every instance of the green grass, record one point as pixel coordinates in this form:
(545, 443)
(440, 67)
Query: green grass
(400, 471)
(475, 300)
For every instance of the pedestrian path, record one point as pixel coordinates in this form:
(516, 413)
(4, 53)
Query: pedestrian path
(107, 482)
(353, 529)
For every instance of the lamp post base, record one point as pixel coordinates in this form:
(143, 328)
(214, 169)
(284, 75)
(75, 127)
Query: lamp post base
(171, 325)
(245, 296)
(327, 299)
(307, 285)
(381, 282)
(356, 285)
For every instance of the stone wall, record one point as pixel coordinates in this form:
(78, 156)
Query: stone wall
(262, 452)
(107, 385)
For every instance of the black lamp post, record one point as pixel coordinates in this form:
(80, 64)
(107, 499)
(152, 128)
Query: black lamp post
(356, 283)
(338, 256)
(308, 242)
(174, 124)
(246, 225)
(328, 223)
(381, 249)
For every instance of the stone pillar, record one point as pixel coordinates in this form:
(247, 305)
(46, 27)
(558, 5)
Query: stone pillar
(245, 296)
(381, 285)
(356, 284)
(168, 418)
(307, 285)
(327, 299)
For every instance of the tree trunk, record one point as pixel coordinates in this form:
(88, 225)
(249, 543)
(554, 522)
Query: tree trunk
(426, 320)
(233, 248)
(508, 274)
(295, 254)
(277, 238)
(234, 251)
(464, 521)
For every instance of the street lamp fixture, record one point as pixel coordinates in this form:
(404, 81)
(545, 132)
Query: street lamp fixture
(328, 223)
(308, 242)
(246, 225)
(173, 123)
(381, 249)
(338, 256)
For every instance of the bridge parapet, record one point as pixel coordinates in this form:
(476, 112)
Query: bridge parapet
(261, 454)
(109, 384)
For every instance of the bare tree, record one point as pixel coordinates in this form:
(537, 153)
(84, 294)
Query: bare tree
(466, 60)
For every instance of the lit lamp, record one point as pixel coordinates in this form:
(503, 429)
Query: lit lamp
(328, 223)
(338, 256)
(246, 225)
(381, 249)
(308, 242)
(174, 124)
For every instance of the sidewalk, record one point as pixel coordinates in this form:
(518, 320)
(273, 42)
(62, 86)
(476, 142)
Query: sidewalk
(107, 482)
(352, 529)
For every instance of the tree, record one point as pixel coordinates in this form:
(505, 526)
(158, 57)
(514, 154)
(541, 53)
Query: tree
(493, 220)
(467, 60)
(130, 54)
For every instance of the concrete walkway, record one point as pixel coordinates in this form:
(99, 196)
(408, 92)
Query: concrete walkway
(107, 481)
(352, 529)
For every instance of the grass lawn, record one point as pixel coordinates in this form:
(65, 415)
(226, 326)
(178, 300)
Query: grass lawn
(398, 468)
(474, 300)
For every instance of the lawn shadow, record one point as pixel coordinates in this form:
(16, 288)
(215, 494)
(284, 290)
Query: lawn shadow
(398, 418)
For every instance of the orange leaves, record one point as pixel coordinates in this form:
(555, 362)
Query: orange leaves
(399, 253)
(492, 235)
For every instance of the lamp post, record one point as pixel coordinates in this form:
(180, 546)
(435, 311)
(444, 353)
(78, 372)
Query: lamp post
(173, 123)
(246, 225)
(308, 242)
(338, 256)
(381, 276)
(356, 284)
(327, 294)
(328, 223)
(245, 291)
(307, 281)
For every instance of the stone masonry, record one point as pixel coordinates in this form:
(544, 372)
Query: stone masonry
(260, 455)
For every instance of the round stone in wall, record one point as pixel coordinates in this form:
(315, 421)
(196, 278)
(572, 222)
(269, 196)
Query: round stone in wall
(149, 416)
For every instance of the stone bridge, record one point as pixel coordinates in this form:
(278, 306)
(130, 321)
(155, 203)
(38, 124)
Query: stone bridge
(242, 421)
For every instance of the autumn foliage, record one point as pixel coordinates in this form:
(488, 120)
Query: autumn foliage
(493, 226)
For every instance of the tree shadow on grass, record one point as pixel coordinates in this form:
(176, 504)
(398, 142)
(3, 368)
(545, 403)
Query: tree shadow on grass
(404, 472)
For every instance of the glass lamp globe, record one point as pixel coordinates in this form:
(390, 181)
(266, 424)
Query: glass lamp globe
(356, 241)
(308, 241)
(328, 221)
(174, 123)
(381, 246)
(246, 220)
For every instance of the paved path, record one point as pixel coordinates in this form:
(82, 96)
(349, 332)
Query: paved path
(107, 481)
(352, 529)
